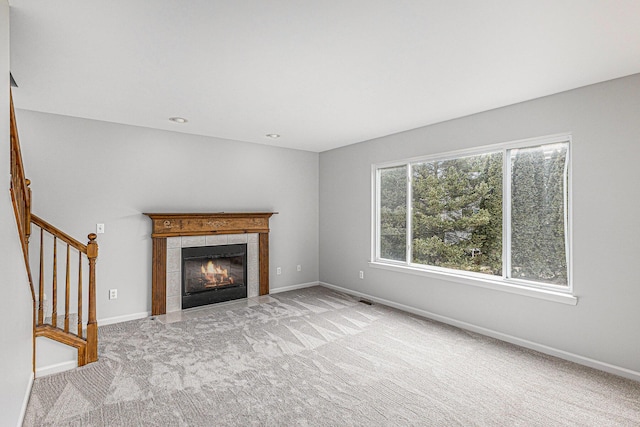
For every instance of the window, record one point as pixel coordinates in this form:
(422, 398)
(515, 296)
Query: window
(393, 213)
(498, 213)
(457, 213)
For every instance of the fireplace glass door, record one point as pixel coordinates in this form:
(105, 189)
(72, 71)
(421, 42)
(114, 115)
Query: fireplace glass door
(213, 274)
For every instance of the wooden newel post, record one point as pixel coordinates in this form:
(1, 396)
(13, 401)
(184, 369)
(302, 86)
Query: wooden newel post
(92, 324)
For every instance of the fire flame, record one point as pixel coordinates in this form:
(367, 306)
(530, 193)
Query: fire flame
(215, 274)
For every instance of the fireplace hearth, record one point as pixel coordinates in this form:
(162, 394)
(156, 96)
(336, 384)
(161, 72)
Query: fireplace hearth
(212, 274)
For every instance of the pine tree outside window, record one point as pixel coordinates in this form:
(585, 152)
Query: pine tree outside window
(538, 213)
(393, 213)
(498, 213)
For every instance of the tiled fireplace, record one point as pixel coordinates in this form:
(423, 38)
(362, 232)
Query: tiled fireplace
(171, 232)
(174, 262)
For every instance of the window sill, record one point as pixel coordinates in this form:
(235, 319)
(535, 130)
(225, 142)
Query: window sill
(496, 285)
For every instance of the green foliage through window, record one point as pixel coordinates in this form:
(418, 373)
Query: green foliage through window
(393, 213)
(457, 212)
(538, 195)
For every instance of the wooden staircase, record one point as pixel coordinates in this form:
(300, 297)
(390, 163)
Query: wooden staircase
(61, 328)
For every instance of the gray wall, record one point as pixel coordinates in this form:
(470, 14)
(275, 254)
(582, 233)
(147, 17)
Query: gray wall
(605, 122)
(85, 172)
(15, 304)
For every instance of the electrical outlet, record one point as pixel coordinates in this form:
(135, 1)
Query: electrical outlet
(113, 294)
(279, 271)
(361, 274)
(299, 268)
(99, 228)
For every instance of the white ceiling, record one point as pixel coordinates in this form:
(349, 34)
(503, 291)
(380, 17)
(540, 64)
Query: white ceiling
(323, 73)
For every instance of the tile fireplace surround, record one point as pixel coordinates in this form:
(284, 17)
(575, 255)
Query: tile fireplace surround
(174, 262)
(171, 232)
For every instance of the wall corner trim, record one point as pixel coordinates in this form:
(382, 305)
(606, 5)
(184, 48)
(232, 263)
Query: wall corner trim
(25, 401)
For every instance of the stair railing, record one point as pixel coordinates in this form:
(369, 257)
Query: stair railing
(86, 342)
(21, 200)
(61, 327)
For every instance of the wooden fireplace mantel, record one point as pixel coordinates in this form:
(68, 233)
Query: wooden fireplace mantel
(200, 224)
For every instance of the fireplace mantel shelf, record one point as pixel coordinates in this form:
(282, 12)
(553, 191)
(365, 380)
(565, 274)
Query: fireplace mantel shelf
(166, 225)
(198, 224)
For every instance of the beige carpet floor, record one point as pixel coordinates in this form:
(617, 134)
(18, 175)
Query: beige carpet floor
(316, 357)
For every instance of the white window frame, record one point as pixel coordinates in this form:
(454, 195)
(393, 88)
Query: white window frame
(557, 293)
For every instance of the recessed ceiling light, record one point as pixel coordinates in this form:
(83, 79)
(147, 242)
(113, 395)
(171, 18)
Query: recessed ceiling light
(272, 135)
(178, 119)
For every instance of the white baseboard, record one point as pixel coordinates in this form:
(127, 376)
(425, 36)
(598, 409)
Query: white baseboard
(125, 318)
(25, 401)
(58, 367)
(293, 287)
(572, 357)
